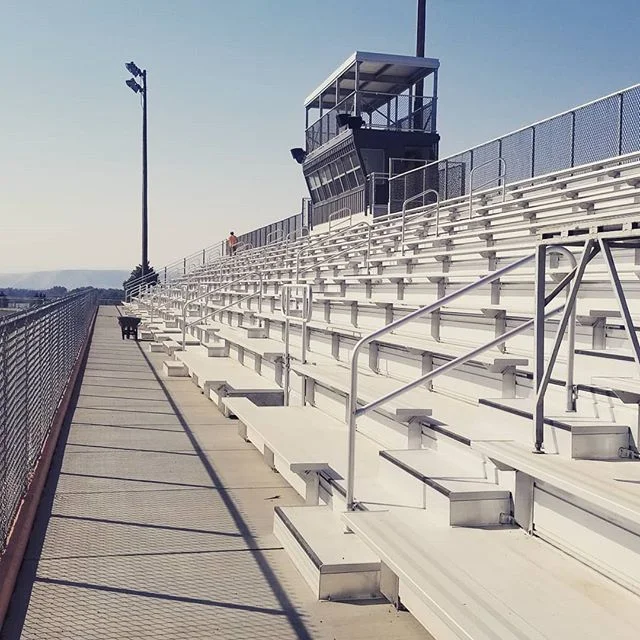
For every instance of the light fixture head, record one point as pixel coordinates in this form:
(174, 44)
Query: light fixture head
(133, 69)
(133, 85)
(298, 155)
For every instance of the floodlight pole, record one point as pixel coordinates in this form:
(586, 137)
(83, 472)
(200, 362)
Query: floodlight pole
(145, 239)
(421, 30)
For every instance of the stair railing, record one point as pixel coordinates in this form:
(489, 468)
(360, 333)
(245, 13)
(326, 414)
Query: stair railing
(502, 176)
(208, 294)
(275, 236)
(255, 294)
(354, 412)
(325, 238)
(404, 213)
(289, 314)
(338, 215)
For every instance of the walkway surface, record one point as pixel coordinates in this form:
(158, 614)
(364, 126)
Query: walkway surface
(156, 522)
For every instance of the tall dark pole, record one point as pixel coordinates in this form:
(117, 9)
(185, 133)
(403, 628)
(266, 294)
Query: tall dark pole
(421, 30)
(145, 240)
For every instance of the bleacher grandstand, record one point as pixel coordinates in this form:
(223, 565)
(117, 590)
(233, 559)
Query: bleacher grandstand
(441, 357)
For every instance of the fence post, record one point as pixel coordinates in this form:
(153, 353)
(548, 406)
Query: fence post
(620, 115)
(573, 138)
(533, 151)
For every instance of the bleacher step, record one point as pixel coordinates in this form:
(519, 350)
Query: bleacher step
(589, 508)
(335, 564)
(453, 494)
(581, 437)
(174, 369)
(491, 584)
(220, 377)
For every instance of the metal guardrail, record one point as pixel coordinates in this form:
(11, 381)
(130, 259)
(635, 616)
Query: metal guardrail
(330, 236)
(593, 132)
(404, 214)
(289, 314)
(296, 234)
(340, 215)
(176, 269)
(502, 178)
(354, 412)
(208, 294)
(277, 235)
(39, 349)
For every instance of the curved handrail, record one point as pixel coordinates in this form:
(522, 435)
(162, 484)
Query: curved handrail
(322, 239)
(305, 316)
(292, 236)
(180, 262)
(404, 213)
(354, 412)
(232, 304)
(502, 176)
(333, 256)
(335, 214)
(210, 293)
(276, 233)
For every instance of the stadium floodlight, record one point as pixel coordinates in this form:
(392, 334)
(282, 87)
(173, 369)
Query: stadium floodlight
(298, 155)
(141, 88)
(133, 85)
(133, 69)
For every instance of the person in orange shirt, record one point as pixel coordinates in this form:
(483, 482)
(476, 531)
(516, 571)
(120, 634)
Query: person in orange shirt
(232, 242)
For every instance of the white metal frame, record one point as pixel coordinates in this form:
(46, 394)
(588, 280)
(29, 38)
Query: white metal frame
(287, 294)
(404, 213)
(594, 243)
(208, 294)
(337, 215)
(354, 411)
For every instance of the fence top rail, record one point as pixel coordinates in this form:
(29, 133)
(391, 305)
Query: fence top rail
(175, 264)
(21, 316)
(519, 130)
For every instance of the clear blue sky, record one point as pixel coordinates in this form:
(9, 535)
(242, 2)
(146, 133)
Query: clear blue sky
(226, 85)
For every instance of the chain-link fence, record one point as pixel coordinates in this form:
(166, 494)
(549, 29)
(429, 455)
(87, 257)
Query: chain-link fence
(290, 226)
(38, 351)
(602, 129)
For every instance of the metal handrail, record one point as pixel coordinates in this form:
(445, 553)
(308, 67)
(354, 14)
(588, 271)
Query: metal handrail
(242, 246)
(404, 213)
(292, 235)
(307, 310)
(228, 306)
(333, 256)
(434, 306)
(335, 214)
(276, 233)
(181, 261)
(210, 293)
(354, 412)
(324, 238)
(571, 336)
(502, 176)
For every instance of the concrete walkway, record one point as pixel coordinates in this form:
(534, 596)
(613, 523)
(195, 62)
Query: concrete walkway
(156, 523)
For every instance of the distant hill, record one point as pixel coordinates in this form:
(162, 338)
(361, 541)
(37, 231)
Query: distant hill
(69, 278)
